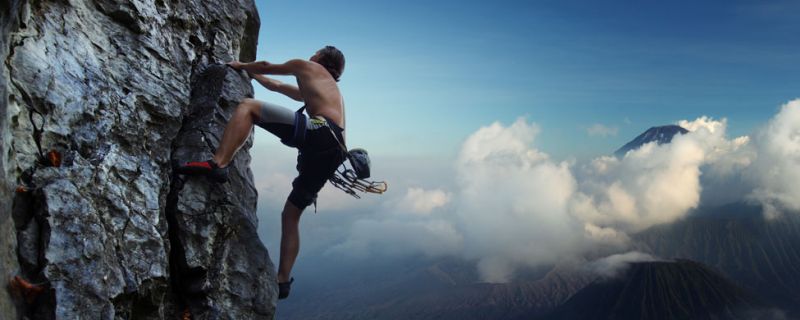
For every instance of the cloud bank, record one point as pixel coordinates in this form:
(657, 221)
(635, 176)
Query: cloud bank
(776, 166)
(512, 202)
(512, 206)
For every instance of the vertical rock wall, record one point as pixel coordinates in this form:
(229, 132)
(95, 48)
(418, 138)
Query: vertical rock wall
(9, 11)
(218, 263)
(98, 96)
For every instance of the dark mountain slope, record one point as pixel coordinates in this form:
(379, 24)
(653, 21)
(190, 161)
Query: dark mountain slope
(439, 289)
(660, 135)
(759, 254)
(661, 290)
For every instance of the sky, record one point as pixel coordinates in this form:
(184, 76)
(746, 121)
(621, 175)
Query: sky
(422, 75)
(492, 122)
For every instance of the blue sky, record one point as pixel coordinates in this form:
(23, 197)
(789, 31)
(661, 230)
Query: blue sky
(422, 75)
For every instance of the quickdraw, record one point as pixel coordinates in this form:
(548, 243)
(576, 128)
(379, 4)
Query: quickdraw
(345, 179)
(37, 133)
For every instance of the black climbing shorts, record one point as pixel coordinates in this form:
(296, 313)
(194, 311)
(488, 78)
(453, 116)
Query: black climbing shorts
(319, 155)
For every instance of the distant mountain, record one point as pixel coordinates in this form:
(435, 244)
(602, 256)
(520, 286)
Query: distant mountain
(660, 135)
(661, 290)
(440, 289)
(761, 255)
(516, 300)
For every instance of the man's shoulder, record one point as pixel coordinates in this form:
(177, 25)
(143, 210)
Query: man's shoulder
(306, 65)
(298, 63)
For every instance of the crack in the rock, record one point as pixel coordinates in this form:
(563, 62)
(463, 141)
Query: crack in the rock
(33, 108)
(177, 256)
(189, 284)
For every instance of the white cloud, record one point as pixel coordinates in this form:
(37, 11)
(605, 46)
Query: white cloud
(613, 265)
(606, 236)
(703, 122)
(776, 168)
(422, 202)
(658, 184)
(600, 130)
(511, 206)
(512, 200)
(514, 207)
(654, 184)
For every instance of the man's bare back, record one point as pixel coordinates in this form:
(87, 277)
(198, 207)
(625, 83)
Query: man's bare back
(315, 85)
(321, 93)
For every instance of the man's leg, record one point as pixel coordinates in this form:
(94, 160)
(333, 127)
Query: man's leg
(290, 240)
(273, 118)
(234, 136)
(237, 130)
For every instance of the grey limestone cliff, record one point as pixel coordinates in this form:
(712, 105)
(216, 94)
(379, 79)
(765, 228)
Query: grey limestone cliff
(97, 99)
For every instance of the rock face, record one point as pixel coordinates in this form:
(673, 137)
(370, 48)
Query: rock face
(8, 243)
(218, 263)
(98, 98)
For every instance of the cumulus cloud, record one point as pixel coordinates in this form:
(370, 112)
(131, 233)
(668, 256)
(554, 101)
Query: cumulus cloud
(423, 202)
(512, 200)
(651, 185)
(600, 130)
(776, 168)
(512, 206)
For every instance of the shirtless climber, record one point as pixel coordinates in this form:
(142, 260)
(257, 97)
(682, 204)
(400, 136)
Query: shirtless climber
(319, 151)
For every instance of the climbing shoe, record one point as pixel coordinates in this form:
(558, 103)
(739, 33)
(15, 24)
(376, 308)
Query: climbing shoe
(283, 288)
(207, 168)
(25, 289)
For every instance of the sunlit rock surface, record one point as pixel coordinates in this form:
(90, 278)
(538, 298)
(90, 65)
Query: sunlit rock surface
(98, 98)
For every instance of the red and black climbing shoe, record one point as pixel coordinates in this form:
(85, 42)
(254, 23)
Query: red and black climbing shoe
(207, 168)
(25, 289)
(284, 288)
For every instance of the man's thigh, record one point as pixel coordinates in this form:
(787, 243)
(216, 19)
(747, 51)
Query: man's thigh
(276, 119)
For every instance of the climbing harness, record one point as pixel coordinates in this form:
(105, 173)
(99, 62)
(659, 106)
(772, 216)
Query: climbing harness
(299, 134)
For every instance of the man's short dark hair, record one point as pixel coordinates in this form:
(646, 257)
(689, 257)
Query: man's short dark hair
(333, 60)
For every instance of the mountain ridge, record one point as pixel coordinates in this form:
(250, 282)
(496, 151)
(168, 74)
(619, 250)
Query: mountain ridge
(680, 289)
(659, 134)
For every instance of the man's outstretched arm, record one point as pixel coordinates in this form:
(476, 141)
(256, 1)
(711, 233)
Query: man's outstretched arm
(291, 67)
(277, 86)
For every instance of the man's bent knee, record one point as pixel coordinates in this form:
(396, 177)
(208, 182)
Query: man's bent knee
(249, 101)
(251, 106)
